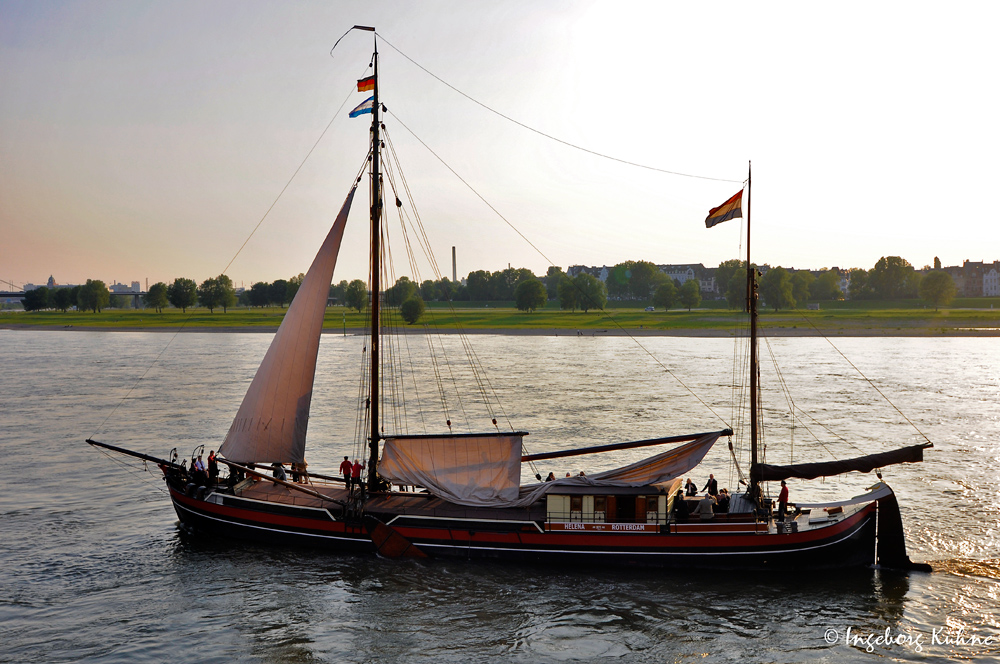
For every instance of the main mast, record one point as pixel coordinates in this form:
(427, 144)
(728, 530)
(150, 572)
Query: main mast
(376, 273)
(752, 309)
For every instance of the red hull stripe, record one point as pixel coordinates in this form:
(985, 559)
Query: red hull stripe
(726, 544)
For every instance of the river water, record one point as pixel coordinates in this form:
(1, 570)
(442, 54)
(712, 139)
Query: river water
(95, 568)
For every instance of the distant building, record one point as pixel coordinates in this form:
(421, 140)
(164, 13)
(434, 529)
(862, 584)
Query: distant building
(122, 289)
(991, 280)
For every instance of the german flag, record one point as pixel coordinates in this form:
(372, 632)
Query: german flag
(728, 210)
(366, 84)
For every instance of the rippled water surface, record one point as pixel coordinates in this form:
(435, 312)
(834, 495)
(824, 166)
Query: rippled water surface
(95, 568)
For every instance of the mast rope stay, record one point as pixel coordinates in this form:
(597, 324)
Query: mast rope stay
(866, 378)
(542, 254)
(542, 133)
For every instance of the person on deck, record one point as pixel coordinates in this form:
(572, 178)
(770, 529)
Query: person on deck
(279, 472)
(712, 486)
(679, 509)
(723, 506)
(691, 488)
(345, 470)
(199, 475)
(782, 501)
(705, 508)
(356, 473)
(551, 477)
(213, 467)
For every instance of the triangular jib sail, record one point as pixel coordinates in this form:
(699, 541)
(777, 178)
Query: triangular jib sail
(270, 425)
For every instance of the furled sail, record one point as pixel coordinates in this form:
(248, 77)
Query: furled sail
(476, 469)
(484, 470)
(763, 472)
(657, 469)
(270, 425)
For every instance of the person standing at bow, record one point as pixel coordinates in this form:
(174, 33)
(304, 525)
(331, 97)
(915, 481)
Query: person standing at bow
(712, 486)
(356, 473)
(345, 470)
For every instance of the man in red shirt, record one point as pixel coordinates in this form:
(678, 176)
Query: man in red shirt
(356, 473)
(345, 470)
(782, 501)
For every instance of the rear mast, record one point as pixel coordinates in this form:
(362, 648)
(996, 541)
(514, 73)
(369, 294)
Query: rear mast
(376, 273)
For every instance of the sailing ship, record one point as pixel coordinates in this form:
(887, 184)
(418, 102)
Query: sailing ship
(463, 495)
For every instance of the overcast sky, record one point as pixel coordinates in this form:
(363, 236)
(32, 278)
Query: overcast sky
(145, 140)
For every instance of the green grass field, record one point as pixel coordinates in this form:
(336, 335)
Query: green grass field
(873, 319)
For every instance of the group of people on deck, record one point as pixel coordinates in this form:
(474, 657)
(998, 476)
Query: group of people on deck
(202, 474)
(714, 502)
(351, 473)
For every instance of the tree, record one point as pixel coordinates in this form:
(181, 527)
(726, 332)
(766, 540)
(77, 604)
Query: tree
(478, 283)
(530, 294)
(36, 300)
(429, 290)
(94, 295)
(568, 295)
(400, 292)
(802, 282)
(338, 291)
(938, 288)
(645, 276)
(156, 297)
(859, 287)
(893, 278)
(356, 295)
(119, 302)
(553, 277)
(937, 263)
(293, 285)
(725, 272)
(619, 278)
(736, 289)
(502, 284)
(826, 286)
(183, 293)
(665, 295)
(591, 293)
(690, 294)
(74, 296)
(447, 289)
(62, 299)
(412, 309)
(259, 294)
(776, 289)
(277, 292)
(225, 294)
(208, 295)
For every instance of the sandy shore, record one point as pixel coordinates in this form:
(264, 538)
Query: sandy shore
(555, 332)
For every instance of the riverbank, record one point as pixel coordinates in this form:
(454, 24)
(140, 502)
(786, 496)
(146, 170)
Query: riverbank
(618, 322)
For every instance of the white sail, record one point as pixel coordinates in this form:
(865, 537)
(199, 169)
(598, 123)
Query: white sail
(271, 422)
(467, 470)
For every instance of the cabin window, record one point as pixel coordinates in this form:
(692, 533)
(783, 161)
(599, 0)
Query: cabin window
(600, 508)
(652, 509)
(576, 508)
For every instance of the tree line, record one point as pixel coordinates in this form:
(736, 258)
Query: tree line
(890, 278)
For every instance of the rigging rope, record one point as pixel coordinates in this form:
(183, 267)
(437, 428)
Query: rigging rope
(542, 133)
(867, 380)
(542, 254)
